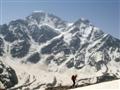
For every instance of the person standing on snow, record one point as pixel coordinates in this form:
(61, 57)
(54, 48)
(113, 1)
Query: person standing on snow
(73, 78)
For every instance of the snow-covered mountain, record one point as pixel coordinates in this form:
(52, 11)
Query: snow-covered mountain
(44, 45)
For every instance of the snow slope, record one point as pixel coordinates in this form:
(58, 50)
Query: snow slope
(112, 85)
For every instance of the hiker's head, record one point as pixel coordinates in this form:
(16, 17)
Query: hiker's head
(76, 75)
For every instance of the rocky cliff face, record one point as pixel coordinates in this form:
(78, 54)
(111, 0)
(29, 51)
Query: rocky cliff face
(8, 76)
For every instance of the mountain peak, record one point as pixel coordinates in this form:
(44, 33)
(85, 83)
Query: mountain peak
(82, 20)
(41, 18)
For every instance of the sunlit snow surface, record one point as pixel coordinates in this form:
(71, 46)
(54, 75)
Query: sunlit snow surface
(112, 85)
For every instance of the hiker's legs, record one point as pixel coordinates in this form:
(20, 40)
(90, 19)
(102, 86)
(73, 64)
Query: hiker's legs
(73, 83)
